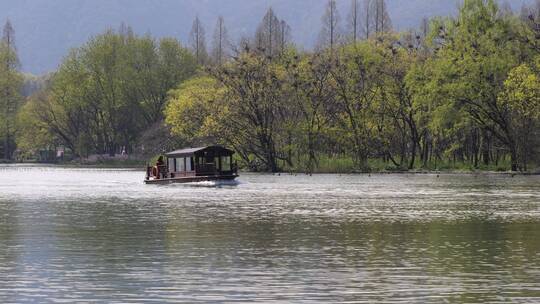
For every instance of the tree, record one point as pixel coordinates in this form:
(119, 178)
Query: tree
(198, 41)
(530, 13)
(194, 108)
(506, 9)
(381, 18)
(330, 35)
(400, 58)
(530, 32)
(167, 65)
(238, 105)
(255, 98)
(34, 133)
(11, 82)
(110, 91)
(314, 93)
(424, 28)
(460, 89)
(367, 16)
(475, 54)
(354, 21)
(357, 84)
(284, 37)
(521, 98)
(220, 42)
(272, 35)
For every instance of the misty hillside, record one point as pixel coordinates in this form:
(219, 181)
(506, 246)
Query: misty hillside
(47, 29)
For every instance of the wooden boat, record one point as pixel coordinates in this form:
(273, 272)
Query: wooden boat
(211, 163)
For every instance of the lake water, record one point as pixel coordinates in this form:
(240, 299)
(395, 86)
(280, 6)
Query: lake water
(69, 235)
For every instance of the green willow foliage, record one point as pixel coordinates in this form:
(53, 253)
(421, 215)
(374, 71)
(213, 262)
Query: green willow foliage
(463, 91)
(406, 100)
(107, 93)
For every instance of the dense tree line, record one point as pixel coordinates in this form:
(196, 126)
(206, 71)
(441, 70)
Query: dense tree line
(461, 90)
(458, 90)
(106, 94)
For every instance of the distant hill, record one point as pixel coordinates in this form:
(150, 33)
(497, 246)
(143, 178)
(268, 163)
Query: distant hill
(47, 29)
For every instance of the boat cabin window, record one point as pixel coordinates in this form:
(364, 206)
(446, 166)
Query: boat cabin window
(189, 164)
(171, 164)
(225, 163)
(180, 164)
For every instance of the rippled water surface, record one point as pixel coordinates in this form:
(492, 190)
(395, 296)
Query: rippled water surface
(69, 235)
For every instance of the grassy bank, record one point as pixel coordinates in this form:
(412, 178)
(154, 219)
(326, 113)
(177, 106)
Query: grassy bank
(129, 163)
(338, 165)
(346, 165)
(109, 163)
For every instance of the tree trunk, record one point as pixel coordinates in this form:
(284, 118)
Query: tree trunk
(311, 153)
(485, 149)
(6, 146)
(425, 150)
(361, 157)
(514, 159)
(403, 154)
(269, 153)
(413, 155)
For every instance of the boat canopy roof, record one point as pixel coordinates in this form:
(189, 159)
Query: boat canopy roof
(217, 150)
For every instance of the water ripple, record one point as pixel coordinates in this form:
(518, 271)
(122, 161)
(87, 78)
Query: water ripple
(80, 235)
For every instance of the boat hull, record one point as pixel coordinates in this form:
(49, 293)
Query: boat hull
(191, 179)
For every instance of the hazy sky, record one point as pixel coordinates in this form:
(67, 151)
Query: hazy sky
(47, 29)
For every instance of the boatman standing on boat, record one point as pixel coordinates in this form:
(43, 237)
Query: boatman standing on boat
(159, 165)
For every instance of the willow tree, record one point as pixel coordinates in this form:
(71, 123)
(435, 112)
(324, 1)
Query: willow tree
(357, 77)
(474, 54)
(239, 106)
(110, 91)
(195, 111)
(313, 95)
(521, 98)
(255, 85)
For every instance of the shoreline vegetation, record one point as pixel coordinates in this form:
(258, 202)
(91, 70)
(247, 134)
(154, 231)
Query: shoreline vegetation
(137, 167)
(336, 166)
(456, 93)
